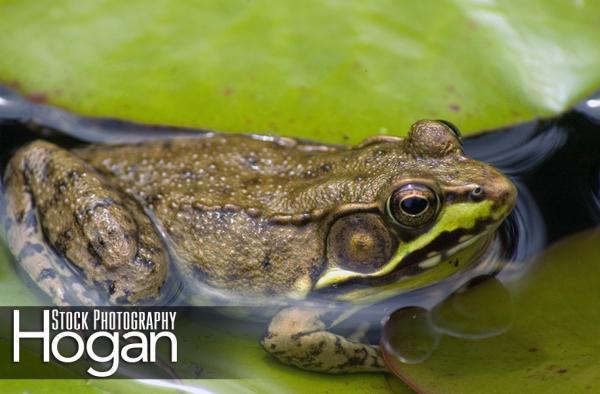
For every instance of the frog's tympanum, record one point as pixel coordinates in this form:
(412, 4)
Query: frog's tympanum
(241, 218)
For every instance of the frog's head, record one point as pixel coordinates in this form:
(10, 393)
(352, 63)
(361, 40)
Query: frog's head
(434, 215)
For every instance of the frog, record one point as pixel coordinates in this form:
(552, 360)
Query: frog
(316, 230)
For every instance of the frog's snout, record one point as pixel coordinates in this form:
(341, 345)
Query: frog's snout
(503, 192)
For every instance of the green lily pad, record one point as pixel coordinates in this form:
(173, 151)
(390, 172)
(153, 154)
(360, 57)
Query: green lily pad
(333, 71)
(553, 344)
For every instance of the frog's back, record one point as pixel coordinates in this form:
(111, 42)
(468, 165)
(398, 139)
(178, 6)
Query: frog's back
(242, 212)
(271, 177)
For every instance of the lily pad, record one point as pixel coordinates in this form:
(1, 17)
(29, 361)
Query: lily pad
(553, 344)
(333, 71)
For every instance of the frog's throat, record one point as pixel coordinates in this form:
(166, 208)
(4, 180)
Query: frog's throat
(475, 220)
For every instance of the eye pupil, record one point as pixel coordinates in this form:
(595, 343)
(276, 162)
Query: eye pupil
(414, 205)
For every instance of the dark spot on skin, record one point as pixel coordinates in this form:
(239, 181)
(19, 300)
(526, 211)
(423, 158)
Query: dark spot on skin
(73, 175)
(338, 346)
(60, 185)
(251, 182)
(103, 203)
(62, 241)
(46, 171)
(30, 219)
(325, 167)
(92, 251)
(532, 349)
(78, 218)
(27, 170)
(187, 174)
(46, 273)
(150, 199)
(111, 287)
(30, 250)
(562, 371)
(251, 162)
(266, 263)
(147, 263)
(20, 216)
(454, 107)
(301, 334)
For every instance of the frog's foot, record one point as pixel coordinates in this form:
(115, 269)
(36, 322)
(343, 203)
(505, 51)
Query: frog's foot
(58, 206)
(299, 336)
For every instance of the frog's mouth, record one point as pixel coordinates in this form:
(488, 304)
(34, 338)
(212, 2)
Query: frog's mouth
(451, 245)
(416, 271)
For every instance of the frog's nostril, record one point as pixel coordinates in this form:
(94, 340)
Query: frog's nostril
(476, 193)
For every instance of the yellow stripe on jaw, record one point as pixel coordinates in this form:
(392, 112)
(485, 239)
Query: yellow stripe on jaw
(452, 217)
(463, 259)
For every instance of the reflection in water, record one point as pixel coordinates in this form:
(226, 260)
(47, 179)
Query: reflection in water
(409, 336)
(481, 308)
(519, 149)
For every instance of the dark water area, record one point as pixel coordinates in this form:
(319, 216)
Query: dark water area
(555, 163)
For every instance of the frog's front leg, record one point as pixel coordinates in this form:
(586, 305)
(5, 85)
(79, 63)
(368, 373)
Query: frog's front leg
(299, 336)
(55, 198)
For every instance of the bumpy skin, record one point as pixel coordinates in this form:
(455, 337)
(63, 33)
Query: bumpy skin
(241, 216)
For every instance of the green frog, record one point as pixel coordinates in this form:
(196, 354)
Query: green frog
(255, 220)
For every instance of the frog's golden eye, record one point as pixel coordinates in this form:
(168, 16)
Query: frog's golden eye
(360, 242)
(413, 206)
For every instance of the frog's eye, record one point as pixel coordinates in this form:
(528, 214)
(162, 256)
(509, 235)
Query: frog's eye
(413, 206)
(360, 242)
